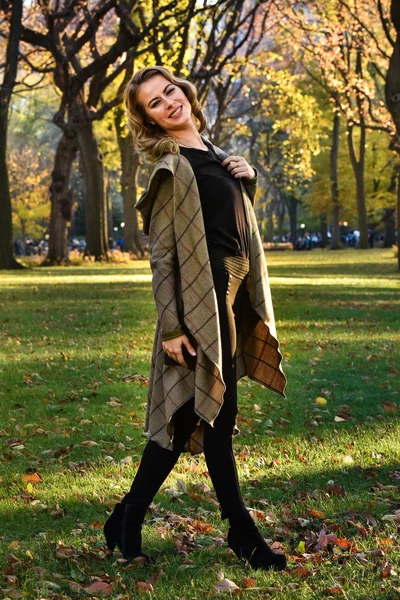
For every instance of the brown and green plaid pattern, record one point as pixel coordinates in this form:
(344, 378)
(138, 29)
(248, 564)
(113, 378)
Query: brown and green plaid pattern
(182, 278)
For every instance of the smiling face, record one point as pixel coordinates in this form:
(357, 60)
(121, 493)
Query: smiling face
(165, 104)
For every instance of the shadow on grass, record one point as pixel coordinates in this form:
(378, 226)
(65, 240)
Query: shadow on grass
(22, 521)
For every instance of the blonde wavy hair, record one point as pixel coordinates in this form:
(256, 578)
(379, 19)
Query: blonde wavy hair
(149, 140)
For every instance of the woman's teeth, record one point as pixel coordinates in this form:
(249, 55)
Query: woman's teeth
(176, 112)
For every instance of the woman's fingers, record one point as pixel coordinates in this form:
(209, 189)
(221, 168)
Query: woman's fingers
(181, 360)
(189, 347)
(174, 349)
(238, 166)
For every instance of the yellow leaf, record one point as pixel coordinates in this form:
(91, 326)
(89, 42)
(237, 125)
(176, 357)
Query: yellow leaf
(301, 547)
(321, 401)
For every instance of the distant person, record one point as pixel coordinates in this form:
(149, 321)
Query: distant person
(371, 238)
(18, 248)
(210, 284)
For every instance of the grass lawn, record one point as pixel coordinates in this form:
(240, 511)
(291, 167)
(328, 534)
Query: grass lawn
(75, 346)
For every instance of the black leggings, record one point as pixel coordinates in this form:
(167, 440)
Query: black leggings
(157, 462)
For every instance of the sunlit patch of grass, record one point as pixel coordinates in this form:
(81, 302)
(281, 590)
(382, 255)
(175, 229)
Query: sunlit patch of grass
(75, 347)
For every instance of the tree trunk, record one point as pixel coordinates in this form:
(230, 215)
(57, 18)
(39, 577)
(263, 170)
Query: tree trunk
(281, 216)
(7, 260)
(291, 204)
(358, 169)
(130, 163)
(392, 95)
(398, 221)
(324, 231)
(334, 181)
(109, 205)
(389, 225)
(61, 196)
(92, 162)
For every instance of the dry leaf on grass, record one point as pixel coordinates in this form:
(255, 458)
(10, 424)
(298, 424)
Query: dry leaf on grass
(100, 586)
(226, 585)
(333, 591)
(144, 586)
(34, 478)
(388, 570)
(301, 571)
(249, 582)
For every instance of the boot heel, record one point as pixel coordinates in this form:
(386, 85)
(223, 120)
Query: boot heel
(111, 545)
(108, 534)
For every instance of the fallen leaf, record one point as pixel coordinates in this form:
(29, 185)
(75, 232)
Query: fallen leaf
(249, 582)
(181, 486)
(100, 586)
(226, 585)
(203, 487)
(388, 570)
(301, 547)
(64, 552)
(301, 571)
(13, 545)
(344, 543)
(335, 591)
(336, 490)
(321, 401)
(316, 513)
(35, 478)
(89, 443)
(144, 586)
(395, 517)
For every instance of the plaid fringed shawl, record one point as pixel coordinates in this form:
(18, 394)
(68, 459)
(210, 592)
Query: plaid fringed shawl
(184, 294)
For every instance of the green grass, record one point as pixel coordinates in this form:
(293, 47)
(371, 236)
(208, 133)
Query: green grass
(71, 339)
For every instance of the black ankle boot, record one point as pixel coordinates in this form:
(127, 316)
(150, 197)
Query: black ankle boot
(247, 543)
(123, 528)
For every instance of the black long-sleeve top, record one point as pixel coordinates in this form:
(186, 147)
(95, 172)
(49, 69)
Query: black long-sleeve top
(221, 201)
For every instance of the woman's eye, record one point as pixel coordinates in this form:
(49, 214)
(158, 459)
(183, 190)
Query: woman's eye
(171, 89)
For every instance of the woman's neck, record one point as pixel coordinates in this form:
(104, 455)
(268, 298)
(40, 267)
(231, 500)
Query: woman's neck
(190, 140)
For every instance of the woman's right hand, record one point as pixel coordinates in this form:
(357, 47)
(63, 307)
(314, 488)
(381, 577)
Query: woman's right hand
(174, 349)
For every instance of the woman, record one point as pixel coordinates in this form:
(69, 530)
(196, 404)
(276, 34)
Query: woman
(215, 319)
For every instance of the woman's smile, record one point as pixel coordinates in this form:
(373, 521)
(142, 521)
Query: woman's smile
(176, 113)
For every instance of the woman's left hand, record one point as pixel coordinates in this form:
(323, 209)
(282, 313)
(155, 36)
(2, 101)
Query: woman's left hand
(239, 167)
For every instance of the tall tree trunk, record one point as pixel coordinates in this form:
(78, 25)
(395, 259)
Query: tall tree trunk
(281, 216)
(398, 220)
(7, 260)
(392, 94)
(61, 196)
(359, 169)
(108, 204)
(389, 227)
(291, 204)
(334, 155)
(130, 164)
(92, 162)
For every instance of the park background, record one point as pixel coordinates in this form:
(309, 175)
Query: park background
(309, 93)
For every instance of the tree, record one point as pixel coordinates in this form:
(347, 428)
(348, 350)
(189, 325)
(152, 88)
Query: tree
(87, 47)
(342, 48)
(392, 89)
(13, 12)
